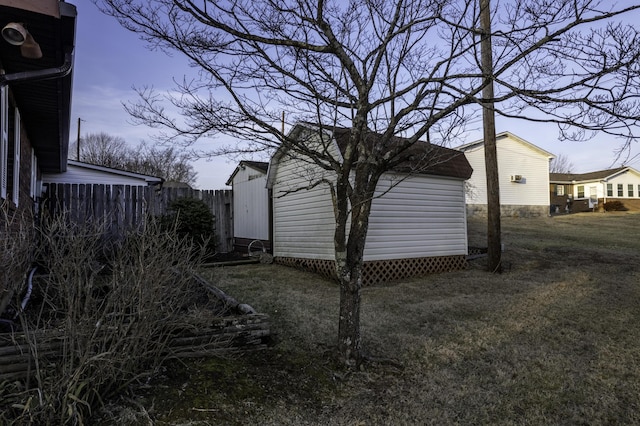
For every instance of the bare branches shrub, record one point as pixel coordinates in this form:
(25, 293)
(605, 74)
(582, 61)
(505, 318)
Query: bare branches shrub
(16, 247)
(107, 309)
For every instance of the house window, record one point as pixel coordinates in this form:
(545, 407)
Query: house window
(4, 140)
(609, 190)
(620, 190)
(580, 191)
(630, 190)
(16, 158)
(559, 190)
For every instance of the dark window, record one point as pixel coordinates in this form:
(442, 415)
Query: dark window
(620, 190)
(630, 190)
(580, 191)
(609, 190)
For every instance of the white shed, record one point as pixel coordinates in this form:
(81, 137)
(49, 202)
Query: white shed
(251, 212)
(523, 171)
(417, 222)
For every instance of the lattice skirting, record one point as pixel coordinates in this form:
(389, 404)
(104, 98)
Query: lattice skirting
(380, 271)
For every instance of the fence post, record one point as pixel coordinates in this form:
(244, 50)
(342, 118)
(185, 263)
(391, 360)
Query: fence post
(126, 206)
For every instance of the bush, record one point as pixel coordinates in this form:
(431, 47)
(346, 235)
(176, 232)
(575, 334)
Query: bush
(192, 218)
(101, 323)
(615, 206)
(16, 255)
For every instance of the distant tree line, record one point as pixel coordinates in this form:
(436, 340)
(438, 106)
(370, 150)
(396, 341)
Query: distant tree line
(107, 150)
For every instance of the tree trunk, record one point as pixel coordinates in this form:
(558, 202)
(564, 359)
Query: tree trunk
(349, 261)
(349, 339)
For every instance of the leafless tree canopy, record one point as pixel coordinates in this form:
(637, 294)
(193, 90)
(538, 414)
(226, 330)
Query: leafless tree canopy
(169, 163)
(561, 164)
(407, 68)
(102, 149)
(411, 65)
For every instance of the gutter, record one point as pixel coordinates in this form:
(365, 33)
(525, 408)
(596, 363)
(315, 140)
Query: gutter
(44, 74)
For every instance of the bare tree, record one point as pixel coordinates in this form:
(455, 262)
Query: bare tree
(102, 149)
(169, 162)
(407, 68)
(561, 164)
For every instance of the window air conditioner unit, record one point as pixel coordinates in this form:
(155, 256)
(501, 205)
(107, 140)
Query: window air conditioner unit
(516, 178)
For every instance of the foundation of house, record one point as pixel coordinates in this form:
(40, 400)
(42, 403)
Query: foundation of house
(480, 210)
(379, 271)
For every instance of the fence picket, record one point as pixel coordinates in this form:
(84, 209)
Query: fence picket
(126, 206)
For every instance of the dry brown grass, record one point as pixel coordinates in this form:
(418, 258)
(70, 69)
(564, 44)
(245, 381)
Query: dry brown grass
(554, 340)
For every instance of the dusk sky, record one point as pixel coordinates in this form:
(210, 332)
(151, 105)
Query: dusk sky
(110, 61)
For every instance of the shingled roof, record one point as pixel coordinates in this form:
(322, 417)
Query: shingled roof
(423, 157)
(260, 166)
(584, 177)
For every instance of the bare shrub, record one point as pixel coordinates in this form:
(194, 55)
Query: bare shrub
(615, 206)
(107, 309)
(16, 246)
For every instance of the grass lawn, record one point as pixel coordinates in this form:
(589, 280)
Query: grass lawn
(555, 339)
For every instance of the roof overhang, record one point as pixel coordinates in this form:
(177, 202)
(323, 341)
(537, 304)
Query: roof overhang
(42, 87)
(422, 157)
(244, 164)
(504, 135)
(151, 180)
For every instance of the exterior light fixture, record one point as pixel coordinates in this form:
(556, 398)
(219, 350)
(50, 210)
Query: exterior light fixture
(16, 34)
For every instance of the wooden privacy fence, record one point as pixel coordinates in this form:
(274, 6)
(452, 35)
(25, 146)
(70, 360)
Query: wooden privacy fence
(126, 206)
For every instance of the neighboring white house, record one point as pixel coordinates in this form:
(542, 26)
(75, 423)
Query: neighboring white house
(85, 173)
(251, 212)
(578, 192)
(523, 171)
(417, 223)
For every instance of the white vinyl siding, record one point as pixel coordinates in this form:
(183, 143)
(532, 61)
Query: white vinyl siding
(624, 183)
(619, 186)
(16, 159)
(422, 216)
(250, 204)
(515, 157)
(4, 140)
(304, 222)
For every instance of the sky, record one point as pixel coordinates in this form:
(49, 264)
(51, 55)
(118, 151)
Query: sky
(110, 61)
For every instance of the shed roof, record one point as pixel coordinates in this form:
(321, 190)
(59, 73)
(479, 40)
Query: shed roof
(423, 157)
(259, 166)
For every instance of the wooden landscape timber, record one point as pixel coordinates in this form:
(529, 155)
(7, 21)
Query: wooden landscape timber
(241, 329)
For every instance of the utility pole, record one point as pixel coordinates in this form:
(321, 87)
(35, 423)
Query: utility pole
(494, 245)
(78, 143)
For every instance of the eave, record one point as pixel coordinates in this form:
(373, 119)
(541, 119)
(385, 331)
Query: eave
(42, 95)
